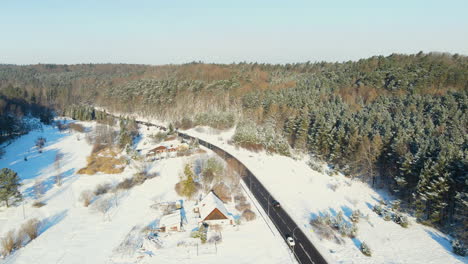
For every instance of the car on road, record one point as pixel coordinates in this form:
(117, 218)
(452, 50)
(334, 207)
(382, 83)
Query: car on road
(290, 241)
(276, 204)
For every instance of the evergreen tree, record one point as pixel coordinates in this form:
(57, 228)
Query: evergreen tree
(9, 186)
(189, 187)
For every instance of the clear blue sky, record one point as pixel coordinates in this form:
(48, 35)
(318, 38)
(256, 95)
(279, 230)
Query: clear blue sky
(161, 32)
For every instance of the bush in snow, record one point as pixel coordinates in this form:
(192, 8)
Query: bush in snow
(242, 206)
(387, 216)
(77, 127)
(248, 215)
(223, 192)
(103, 205)
(202, 231)
(322, 225)
(315, 164)
(459, 248)
(38, 204)
(355, 216)
(159, 137)
(12, 241)
(40, 142)
(31, 228)
(102, 188)
(400, 219)
(215, 239)
(239, 198)
(395, 205)
(125, 184)
(365, 249)
(378, 209)
(8, 243)
(353, 231)
(86, 197)
(337, 223)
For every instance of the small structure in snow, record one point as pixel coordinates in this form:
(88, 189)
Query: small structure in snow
(212, 210)
(171, 222)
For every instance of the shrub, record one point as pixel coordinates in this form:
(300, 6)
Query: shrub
(365, 249)
(40, 142)
(31, 228)
(202, 233)
(242, 206)
(353, 231)
(139, 178)
(387, 216)
(213, 170)
(248, 215)
(185, 123)
(323, 229)
(8, 243)
(240, 198)
(38, 204)
(103, 205)
(459, 248)
(102, 188)
(378, 209)
(158, 137)
(315, 165)
(400, 219)
(86, 197)
(215, 239)
(355, 216)
(223, 192)
(125, 184)
(77, 127)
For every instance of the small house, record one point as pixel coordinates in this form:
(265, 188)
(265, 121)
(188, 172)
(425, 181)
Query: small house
(171, 222)
(157, 150)
(212, 211)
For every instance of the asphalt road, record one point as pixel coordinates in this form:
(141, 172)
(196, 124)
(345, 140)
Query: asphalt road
(304, 250)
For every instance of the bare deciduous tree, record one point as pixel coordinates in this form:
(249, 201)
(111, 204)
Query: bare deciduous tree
(58, 168)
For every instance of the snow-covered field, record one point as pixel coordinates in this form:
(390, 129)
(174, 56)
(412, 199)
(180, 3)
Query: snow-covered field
(72, 233)
(305, 193)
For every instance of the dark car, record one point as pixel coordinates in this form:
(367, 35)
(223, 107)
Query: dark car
(276, 204)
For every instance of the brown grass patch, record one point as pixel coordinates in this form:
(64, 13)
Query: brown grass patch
(252, 146)
(31, 228)
(169, 138)
(77, 127)
(105, 161)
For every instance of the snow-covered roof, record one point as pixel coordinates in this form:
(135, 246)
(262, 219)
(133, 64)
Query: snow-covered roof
(209, 203)
(170, 219)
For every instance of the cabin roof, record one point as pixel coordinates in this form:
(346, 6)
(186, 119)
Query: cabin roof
(209, 204)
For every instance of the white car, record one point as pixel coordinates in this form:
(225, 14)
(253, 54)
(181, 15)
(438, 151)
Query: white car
(290, 241)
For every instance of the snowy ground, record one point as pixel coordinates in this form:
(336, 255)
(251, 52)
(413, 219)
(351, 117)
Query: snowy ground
(72, 233)
(305, 193)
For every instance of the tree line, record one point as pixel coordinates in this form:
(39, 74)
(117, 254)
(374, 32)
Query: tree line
(397, 121)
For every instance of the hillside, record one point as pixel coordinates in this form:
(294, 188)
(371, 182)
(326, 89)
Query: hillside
(117, 223)
(398, 122)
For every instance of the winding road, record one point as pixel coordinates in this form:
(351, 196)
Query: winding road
(304, 251)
